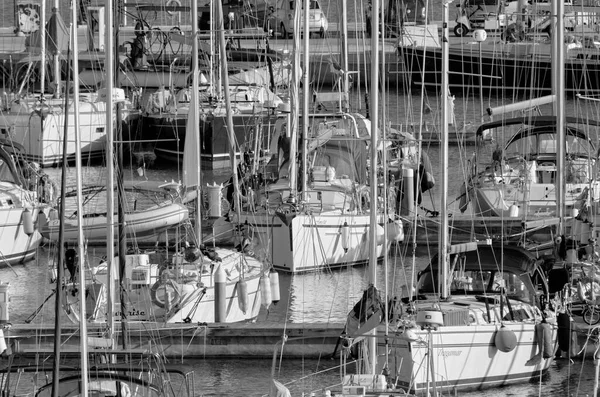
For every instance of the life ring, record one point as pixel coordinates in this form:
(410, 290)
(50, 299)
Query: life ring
(160, 301)
(172, 3)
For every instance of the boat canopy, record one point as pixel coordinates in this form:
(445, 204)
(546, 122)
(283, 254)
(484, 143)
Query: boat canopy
(538, 139)
(540, 142)
(537, 121)
(482, 270)
(493, 257)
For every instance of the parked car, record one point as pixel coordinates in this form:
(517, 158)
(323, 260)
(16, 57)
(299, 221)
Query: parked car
(281, 19)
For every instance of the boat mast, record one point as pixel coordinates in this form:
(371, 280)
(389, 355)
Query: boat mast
(372, 273)
(293, 118)
(121, 224)
(225, 80)
(305, 100)
(56, 68)
(344, 42)
(43, 49)
(385, 189)
(558, 82)
(81, 248)
(443, 233)
(110, 181)
(61, 248)
(196, 120)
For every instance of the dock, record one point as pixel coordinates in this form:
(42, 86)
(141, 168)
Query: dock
(323, 53)
(256, 340)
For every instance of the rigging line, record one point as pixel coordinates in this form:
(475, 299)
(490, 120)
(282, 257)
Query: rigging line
(316, 236)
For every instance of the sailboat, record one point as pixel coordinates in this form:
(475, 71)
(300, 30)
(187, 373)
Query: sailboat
(255, 76)
(199, 284)
(144, 225)
(253, 105)
(35, 122)
(313, 214)
(21, 205)
(475, 303)
(476, 317)
(520, 180)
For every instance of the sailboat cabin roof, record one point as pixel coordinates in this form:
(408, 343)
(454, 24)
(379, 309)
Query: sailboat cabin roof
(537, 137)
(534, 121)
(541, 141)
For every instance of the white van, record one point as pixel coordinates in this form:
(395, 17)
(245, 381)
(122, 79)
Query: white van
(281, 19)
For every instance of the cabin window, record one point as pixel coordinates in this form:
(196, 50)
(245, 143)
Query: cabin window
(547, 144)
(516, 286)
(462, 282)
(470, 281)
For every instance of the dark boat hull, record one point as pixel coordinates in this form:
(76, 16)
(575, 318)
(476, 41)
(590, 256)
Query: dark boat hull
(168, 132)
(515, 74)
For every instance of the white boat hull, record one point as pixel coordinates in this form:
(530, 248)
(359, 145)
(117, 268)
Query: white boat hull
(40, 129)
(465, 357)
(313, 242)
(142, 225)
(16, 246)
(194, 301)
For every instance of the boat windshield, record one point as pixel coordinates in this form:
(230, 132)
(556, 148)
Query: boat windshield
(477, 282)
(340, 159)
(531, 146)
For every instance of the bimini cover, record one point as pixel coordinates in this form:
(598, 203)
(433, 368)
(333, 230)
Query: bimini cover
(257, 94)
(261, 76)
